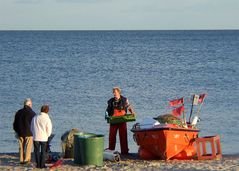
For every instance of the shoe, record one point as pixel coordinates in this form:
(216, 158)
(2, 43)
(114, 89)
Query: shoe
(28, 163)
(44, 167)
(22, 163)
(125, 153)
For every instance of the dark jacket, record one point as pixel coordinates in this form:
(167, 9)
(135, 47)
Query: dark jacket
(121, 104)
(22, 121)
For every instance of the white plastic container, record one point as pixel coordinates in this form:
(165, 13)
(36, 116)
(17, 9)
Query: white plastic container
(195, 120)
(112, 155)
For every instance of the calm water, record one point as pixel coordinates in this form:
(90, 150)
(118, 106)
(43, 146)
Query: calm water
(74, 73)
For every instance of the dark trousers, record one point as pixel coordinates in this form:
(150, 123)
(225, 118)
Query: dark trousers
(122, 127)
(40, 153)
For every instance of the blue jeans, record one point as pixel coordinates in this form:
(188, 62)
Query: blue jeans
(40, 153)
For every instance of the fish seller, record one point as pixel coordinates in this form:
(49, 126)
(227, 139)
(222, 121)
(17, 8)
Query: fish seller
(118, 106)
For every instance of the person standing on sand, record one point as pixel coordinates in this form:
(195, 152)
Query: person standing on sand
(41, 127)
(22, 127)
(117, 106)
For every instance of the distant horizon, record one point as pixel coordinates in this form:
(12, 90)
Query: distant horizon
(119, 15)
(136, 30)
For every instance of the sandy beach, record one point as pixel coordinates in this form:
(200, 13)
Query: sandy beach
(9, 161)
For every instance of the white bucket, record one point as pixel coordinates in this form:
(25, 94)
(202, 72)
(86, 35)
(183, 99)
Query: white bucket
(111, 155)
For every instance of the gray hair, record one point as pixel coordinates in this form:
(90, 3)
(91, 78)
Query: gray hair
(117, 89)
(27, 102)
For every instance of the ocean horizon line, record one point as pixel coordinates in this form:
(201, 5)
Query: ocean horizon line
(112, 30)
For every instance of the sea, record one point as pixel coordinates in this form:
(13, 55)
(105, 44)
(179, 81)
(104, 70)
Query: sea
(74, 73)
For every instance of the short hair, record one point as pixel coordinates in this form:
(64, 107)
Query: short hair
(117, 89)
(27, 101)
(45, 108)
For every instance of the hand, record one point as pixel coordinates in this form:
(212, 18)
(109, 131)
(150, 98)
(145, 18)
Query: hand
(106, 116)
(16, 136)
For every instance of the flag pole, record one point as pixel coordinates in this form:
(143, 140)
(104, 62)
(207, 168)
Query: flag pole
(184, 118)
(191, 109)
(197, 114)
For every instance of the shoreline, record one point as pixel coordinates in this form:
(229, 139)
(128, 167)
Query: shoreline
(9, 161)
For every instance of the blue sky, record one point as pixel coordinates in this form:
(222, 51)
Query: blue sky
(118, 14)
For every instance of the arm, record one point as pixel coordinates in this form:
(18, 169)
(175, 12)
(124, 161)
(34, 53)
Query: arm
(107, 111)
(49, 127)
(15, 123)
(109, 108)
(130, 107)
(30, 119)
(32, 126)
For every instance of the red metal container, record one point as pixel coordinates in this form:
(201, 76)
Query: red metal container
(166, 141)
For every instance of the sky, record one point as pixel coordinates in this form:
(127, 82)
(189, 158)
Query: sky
(118, 14)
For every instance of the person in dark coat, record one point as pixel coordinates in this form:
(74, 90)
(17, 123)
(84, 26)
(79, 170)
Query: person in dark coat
(22, 127)
(118, 106)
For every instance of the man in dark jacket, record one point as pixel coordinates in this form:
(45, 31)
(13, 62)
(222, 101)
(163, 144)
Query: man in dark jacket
(118, 106)
(22, 127)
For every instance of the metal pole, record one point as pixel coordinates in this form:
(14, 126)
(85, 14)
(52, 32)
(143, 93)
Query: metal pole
(197, 114)
(191, 110)
(184, 117)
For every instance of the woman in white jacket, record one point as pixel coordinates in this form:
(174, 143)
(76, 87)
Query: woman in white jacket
(41, 128)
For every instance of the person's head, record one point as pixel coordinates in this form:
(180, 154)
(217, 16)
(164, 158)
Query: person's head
(45, 108)
(28, 102)
(116, 92)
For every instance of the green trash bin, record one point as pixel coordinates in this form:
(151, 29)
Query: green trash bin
(77, 148)
(91, 150)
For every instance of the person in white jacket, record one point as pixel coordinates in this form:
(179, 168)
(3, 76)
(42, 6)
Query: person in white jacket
(41, 128)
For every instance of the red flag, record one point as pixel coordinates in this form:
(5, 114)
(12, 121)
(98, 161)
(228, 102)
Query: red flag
(176, 102)
(201, 98)
(178, 111)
